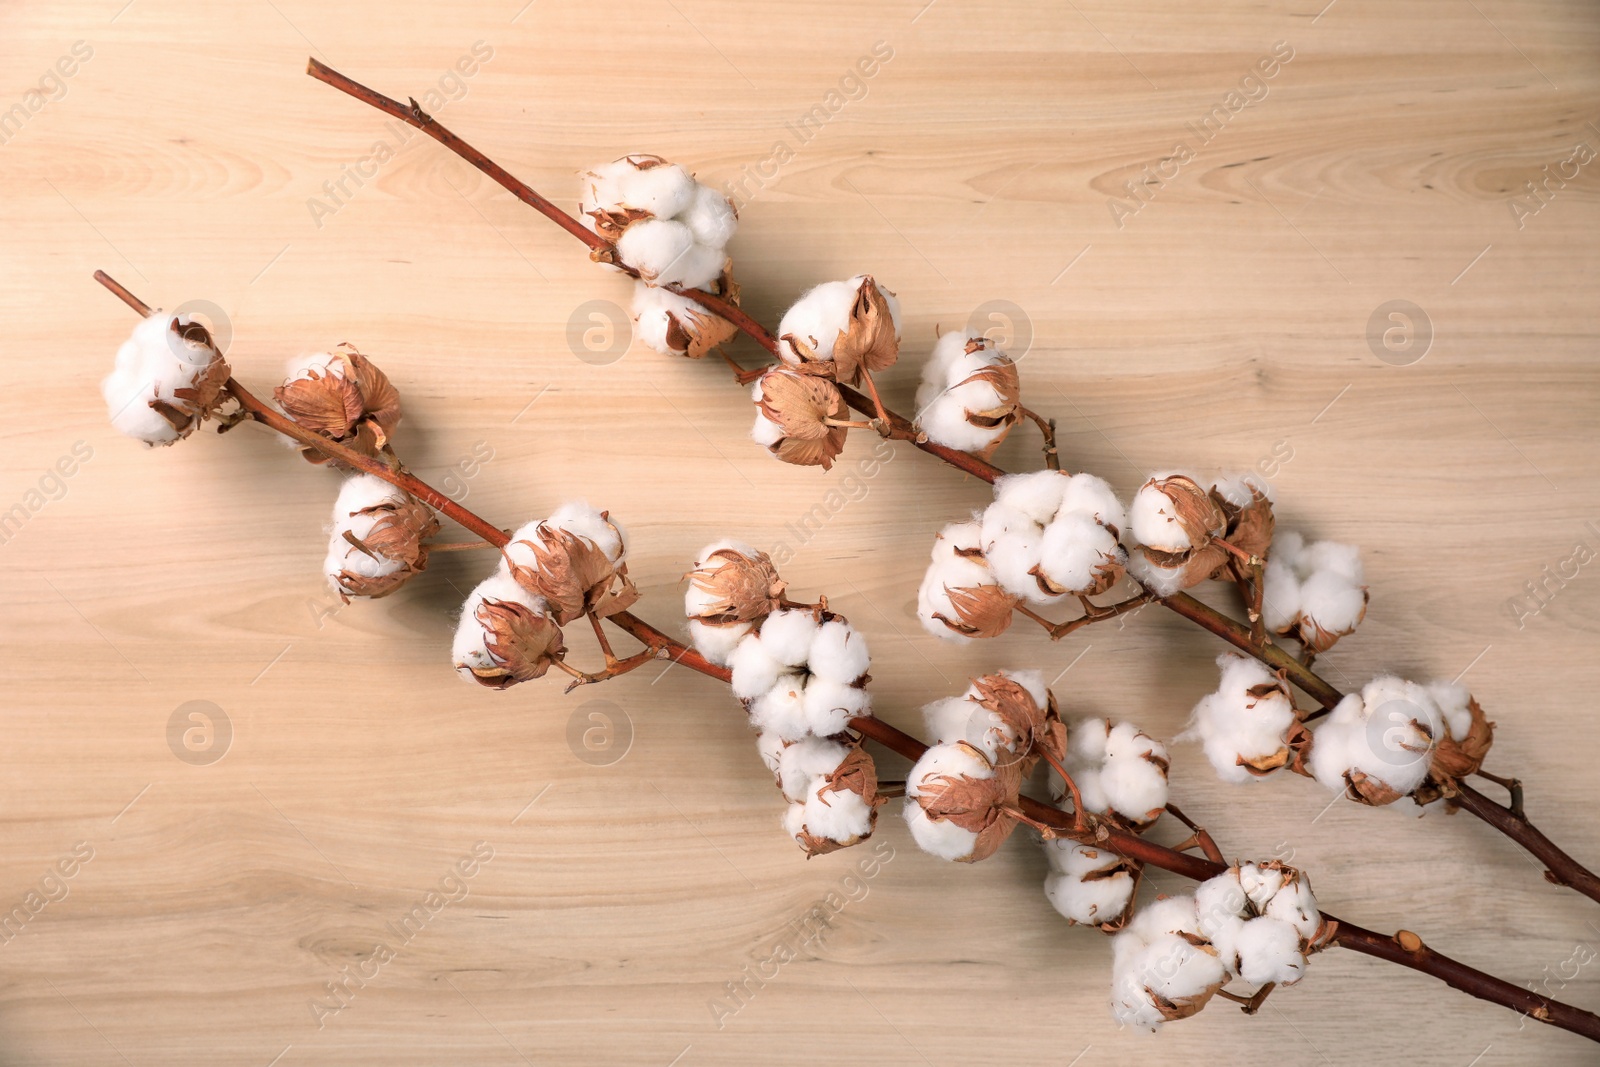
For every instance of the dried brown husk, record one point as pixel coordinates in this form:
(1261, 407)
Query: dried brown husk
(523, 643)
(358, 407)
(856, 774)
(747, 588)
(573, 575)
(1454, 760)
(981, 610)
(199, 401)
(800, 404)
(1014, 708)
(399, 532)
(1004, 416)
(697, 331)
(868, 344)
(984, 806)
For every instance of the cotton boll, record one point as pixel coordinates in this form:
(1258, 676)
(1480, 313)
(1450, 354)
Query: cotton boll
(664, 191)
(1260, 883)
(1135, 788)
(1037, 496)
(655, 248)
(1269, 951)
(788, 635)
(939, 837)
(1244, 724)
(1183, 977)
(944, 418)
(1295, 905)
(1090, 788)
(781, 709)
(1154, 520)
(716, 641)
(1032, 682)
(698, 268)
(1012, 545)
(1085, 494)
(655, 309)
(1097, 901)
(153, 365)
(964, 719)
(710, 217)
(805, 761)
(1376, 744)
(1086, 740)
(957, 563)
(1165, 915)
(1079, 555)
(838, 815)
(469, 648)
(1334, 558)
(1455, 704)
(829, 706)
(821, 314)
(1333, 603)
(604, 531)
(838, 653)
(1220, 904)
(755, 671)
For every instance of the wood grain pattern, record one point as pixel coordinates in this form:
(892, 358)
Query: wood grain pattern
(1223, 323)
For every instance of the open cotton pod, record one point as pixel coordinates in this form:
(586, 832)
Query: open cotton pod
(675, 325)
(970, 397)
(378, 540)
(1089, 885)
(960, 599)
(959, 806)
(1314, 591)
(1120, 771)
(834, 800)
(663, 225)
(793, 416)
(1009, 716)
(343, 396)
(1249, 726)
(505, 635)
(168, 378)
(1377, 745)
(732, 588)
(1163, 968)
(574, 562)
(842, 330)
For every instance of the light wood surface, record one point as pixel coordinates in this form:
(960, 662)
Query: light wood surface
(1223, 323)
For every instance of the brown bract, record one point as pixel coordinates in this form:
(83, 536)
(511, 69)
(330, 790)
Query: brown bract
(573, 575)
(398, 533)
(1038, 730)
(203, 399)
(697, 331)
(856, 774)
(983, 806)
(867, 344)
(522, 643)
(352, 402)
(746, 588)
(1207, 517)
(800, 404)
(1001, 376)
(1454, 760)
(981, 610)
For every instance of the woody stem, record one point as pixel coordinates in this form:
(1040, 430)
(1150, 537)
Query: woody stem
(1047, 427)
(1200, 836)
(1131, 846)
(457, 546)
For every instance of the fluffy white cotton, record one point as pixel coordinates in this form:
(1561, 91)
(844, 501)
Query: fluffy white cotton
(469, 650)
(787, 635)
(806, 761)
(153, 364)
(830, 705)
(1236, 726)
(716, 641)
(1076, 551)
(710, 217)
(359, 492)
(1037, 495)
(576, 517)
(1387, 732)
(1087, 495)
(764, 431)
(1078, 897)
(1152, 959)
(634, 183)
(1013, 545)
(1455, 704)
(939, 836)
(838, 653)
(676, 229)
(1154, 520)
(755, 670)
(1269, 951)
(821, 314)
(1318, 588)
(1240, 489)
(659, 249)
(1032, 683)
(654, 309)
(770, 747)
(1162, 581)
(781, 709)
(948, 570)
(838, 815)
(1260, 917)
(1116, 767)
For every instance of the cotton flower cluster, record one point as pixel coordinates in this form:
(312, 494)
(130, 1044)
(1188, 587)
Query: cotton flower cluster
(837, 332)
(1248, 726)
(1314, 591)
(1088, 884)
(831, 787)
(970, 396)
(675, 325)
(802, 673)
(669, 228)
(1177, 523)
(1255, 922)
(378, 539)
(553, 572)
(962, 794)
(343, 396)
(1397, 738)
(1047, 537)
(168, 379)
(1119, 770)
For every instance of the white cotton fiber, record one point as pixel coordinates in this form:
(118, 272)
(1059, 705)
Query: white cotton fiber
(469, 650)
(829, 706)
(787, 635)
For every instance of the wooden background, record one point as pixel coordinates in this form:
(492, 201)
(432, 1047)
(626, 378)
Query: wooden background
(1223, 324)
